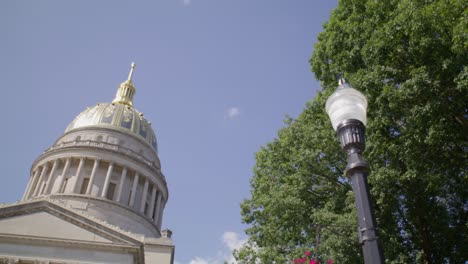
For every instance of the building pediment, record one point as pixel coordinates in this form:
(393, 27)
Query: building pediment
(45, 230)
(45, 218)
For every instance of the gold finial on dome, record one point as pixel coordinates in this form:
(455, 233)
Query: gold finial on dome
(126, 90)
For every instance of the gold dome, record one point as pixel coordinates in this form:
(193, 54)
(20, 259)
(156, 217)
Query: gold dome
(119, 115)
(116, 116)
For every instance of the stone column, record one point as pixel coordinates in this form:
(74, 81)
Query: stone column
(122, 181)
(143, 197)
(93, 174)
(51, 175)
(158, 209)
(25, 194)
(78, 176)
(107, 180)
(31, 184)
(64, 174)
(134, 188)
(160, 217)
(153, 201)
(39, 182)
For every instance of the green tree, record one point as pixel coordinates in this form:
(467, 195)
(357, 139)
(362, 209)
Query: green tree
(409, 57)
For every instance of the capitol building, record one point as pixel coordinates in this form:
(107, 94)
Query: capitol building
(97, 195)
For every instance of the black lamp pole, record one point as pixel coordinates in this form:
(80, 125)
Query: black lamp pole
(347, 109)
(352, 138)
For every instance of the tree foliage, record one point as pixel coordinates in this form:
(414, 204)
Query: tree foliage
(409, 57)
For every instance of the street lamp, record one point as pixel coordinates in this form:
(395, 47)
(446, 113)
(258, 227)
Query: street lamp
(346, 108)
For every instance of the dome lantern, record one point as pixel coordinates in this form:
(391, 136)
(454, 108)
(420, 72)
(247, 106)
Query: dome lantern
(126, 90)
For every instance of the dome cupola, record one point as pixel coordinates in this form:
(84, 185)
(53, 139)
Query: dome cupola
(126, 90)
(120, 115)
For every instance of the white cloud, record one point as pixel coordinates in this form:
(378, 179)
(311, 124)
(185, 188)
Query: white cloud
(198, 260)
(231, 241)
(216, 260)
(232, 112)
(187, 2)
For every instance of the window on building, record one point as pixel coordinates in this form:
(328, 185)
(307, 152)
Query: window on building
(146, 208)
(84, 186)
(155, 205)
(111, 191)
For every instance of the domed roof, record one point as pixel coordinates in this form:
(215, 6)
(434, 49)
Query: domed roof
(119, 115)
(116, 116)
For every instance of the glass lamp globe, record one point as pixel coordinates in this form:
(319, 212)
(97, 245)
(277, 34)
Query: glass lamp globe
(346, 103)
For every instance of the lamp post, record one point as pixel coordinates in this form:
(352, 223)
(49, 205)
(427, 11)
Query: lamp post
(346, 108)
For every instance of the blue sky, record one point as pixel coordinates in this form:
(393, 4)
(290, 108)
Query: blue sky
(215, 77)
